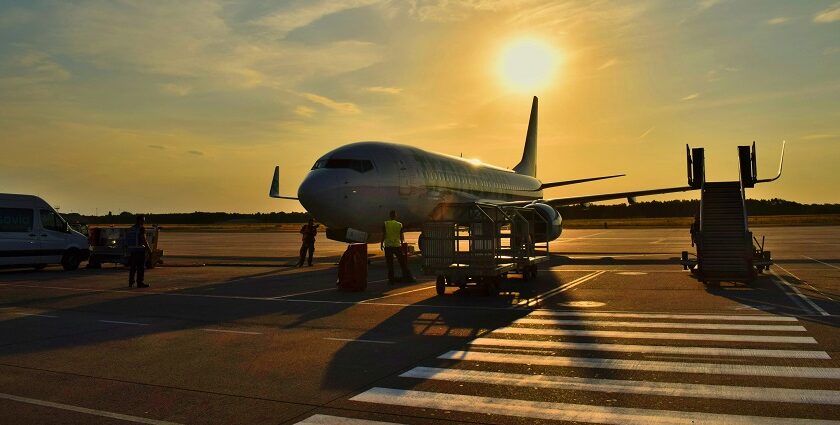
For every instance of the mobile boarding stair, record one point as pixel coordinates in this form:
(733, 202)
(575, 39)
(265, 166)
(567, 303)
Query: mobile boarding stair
(478, 244)
(726, 248)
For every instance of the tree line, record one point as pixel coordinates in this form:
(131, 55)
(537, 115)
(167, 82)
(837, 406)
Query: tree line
(650, 209)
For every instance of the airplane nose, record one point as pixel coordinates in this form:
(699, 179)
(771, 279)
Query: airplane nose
(318, 194)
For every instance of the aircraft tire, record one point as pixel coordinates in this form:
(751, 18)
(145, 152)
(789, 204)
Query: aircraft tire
(440, 285)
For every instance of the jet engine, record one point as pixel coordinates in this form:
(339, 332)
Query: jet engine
(555, 223)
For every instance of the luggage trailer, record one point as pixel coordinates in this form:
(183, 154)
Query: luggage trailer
(480, 244)
(108, 245)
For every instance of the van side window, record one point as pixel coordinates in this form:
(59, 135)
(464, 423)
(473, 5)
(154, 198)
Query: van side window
(16, 220)
(51, 221)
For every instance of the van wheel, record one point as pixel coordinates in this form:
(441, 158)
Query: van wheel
(71, 259)
(39, 266)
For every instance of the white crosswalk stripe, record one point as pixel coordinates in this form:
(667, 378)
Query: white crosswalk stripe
(650, 349)
(752, 368)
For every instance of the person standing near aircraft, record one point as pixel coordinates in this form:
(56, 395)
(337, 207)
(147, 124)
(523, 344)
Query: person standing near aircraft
(308, 232)
(392, 240)
(135, 240)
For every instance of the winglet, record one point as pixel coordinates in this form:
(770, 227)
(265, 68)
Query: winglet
(528, 164)
(781, 162)
(274, 192)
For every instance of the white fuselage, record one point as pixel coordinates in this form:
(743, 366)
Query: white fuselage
(355, 186)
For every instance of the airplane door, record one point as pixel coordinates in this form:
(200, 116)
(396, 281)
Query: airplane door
(405, 179)
(18, 242)
(53, 235)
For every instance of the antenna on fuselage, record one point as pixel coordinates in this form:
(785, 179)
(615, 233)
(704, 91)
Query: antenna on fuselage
(528, 164)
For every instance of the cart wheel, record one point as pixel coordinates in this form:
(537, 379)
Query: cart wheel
(440, 285)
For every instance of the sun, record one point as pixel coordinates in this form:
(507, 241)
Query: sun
(528, 64)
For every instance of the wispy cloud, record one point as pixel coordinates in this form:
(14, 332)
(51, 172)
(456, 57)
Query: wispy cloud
(340, 107)
(286, 20)
(707, 4)
(718, 73)
(196, 153)
(304, 111)
(159, 147)
(176, 89)
(384, 90)
(642, 136)
(692, 96)
(778, 21)
(820, 136)
(608, 64)
(832, 14)
(33, 67)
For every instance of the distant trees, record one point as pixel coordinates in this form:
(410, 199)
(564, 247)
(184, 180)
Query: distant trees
(651, 209)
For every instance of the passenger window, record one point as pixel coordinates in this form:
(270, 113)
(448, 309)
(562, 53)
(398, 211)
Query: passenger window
(16, 220)
(360, 165)
(51, 221)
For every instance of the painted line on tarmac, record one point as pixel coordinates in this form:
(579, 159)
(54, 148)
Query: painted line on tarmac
(367, 301)
(48, 316)
(561, 411)
(650, 349)
(665, 325)
(372, 341)
(336, 420)
(580, 237)
(806, 283)
(117, 322)
(112, 415)
(562, 288)
(822, 262)
(670, 389)
(230, 331)
(303, 293)
(736, 317)
(781, 280)
(658, 335)
(646, 365)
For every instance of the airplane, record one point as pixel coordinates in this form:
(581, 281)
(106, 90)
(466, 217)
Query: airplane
(352, 189)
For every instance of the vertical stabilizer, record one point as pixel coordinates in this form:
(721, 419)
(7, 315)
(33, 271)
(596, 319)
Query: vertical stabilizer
(528, 164)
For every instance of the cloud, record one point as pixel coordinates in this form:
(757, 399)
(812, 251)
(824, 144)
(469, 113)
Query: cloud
(159, 147)
(453, 11)
(608, 64)
(176, 89)
(692, 96)
(820, 136)
(384, 90)
(832, 14)
(197, 153)
(15, 16)
(304, 111)
(778, 21)
(284, 21)
(32, 67)
(718, 73)
(340, 107)
(642, 136)
(707, 4)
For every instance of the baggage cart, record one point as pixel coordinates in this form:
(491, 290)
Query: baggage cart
(479, 244)
(108, 245)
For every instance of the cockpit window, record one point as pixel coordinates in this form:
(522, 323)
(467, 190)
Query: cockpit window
(360, 165)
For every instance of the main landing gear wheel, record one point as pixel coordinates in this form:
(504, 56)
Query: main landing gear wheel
(440, 285)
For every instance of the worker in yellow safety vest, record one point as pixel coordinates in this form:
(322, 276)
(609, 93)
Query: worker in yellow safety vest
(392, 240)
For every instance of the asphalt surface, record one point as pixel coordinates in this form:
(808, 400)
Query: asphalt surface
(611, 331)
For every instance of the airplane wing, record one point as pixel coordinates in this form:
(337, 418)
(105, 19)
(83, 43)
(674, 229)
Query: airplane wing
(568, 182)
(559, 202)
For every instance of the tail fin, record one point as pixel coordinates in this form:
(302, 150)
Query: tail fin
(528, 164)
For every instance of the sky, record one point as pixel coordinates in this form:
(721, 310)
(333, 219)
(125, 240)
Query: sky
(161, 106)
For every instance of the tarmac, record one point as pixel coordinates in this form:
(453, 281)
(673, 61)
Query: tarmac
(613, 330)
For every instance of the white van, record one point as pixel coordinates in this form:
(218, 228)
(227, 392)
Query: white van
(33, 234)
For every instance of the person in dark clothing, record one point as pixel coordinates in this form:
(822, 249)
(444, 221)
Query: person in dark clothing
(308, 232)
(137, 248)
